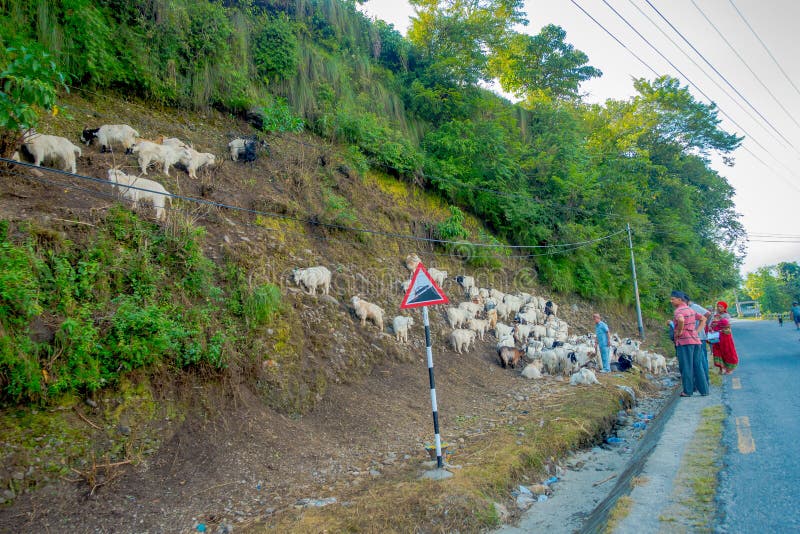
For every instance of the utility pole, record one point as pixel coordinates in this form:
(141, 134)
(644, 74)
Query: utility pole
(635, 284)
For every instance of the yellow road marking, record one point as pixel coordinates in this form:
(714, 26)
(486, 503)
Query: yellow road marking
(736, 383)
(746, 443)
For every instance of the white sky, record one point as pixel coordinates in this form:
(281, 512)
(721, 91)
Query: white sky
(767, 191)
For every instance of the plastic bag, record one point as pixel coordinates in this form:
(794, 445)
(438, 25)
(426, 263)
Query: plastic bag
(713, 337)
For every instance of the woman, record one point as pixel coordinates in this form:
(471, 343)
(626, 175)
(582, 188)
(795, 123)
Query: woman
(725, 357)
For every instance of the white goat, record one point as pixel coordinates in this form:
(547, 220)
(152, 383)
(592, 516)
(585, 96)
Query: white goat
(313, 277)
(367, 310)
(111, 133)
(400, 326)
(438, 276)
(502, 330)
(167, 155)
(479, 326)
(52, 148)
(533, 370)
(411, 262)
(466, 282)
(457, 317)
(155, 191)
(461, 339)
(195, 160)
(584, 376)
(471, 307)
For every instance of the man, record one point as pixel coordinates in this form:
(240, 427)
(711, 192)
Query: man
(701, 332)
(687, 345)
(602, 342)
(796, 314)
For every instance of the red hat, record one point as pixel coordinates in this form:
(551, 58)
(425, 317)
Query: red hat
(723, 304)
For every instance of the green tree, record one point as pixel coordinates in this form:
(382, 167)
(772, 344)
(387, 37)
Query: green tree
(543, 64)
(457, 38)
(28, 82)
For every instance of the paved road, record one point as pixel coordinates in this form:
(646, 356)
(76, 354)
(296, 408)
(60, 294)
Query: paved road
(760, 479)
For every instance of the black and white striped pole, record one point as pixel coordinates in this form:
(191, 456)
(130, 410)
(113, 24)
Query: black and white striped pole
(429, 352)
(423, 292)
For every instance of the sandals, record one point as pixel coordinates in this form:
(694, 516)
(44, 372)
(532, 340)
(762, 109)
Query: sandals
(684, 394)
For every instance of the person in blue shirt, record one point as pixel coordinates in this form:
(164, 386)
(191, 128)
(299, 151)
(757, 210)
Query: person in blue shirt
(602, 342)
(796, 314)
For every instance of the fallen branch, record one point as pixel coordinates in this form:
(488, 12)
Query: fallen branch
(87, 420)
(73, 222)
(603, 481)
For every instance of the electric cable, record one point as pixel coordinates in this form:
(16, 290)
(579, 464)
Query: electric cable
(755, 76)
(665, 19)
(310, 220)
(765, 47)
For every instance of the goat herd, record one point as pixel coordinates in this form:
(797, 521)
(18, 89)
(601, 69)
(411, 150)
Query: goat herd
(57, 151)
(536, 334)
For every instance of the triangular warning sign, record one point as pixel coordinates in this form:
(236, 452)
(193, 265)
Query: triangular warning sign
(422, 291)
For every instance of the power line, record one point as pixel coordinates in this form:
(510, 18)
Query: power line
(679, 71)
(755, 76)
(792, 184)
(765, 47)
(665, 19)
(699, 68)
(310, 220)
(631, 52)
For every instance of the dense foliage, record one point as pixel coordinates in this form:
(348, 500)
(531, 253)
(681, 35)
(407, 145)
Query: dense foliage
(775, 287)
(137, 296)
(547, 171)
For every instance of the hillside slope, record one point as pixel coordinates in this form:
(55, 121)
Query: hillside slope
(314, 402)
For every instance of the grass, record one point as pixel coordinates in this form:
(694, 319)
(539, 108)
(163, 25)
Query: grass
(618, 513)
(697, 480)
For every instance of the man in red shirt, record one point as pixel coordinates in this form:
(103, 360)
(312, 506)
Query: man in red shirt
(687, 345)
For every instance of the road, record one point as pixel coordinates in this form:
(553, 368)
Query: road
(760, 479)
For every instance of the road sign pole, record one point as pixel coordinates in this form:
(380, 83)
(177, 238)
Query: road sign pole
(429, 352)
(423, 292)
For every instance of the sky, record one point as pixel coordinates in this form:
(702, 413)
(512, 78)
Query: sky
(740, 54)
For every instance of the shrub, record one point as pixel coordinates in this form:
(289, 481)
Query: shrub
(262, 303)
(19, 290)
(28, 83)
(275, 49)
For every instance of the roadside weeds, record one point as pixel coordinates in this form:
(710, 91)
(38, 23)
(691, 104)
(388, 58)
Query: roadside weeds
(696, 483)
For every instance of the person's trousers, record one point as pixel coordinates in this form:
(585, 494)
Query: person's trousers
(604, 350)
(703, 354)
(691, 369)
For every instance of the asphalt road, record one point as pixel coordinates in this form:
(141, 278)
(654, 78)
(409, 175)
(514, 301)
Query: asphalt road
(760, 480)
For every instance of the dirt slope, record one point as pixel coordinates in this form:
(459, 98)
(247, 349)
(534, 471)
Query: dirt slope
(361, 401)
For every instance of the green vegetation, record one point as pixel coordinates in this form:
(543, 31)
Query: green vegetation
(136, 296)
(775, 287)
(545, 172)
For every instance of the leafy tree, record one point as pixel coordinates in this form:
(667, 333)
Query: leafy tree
(542, 64)
(28, 83)
(458, 37)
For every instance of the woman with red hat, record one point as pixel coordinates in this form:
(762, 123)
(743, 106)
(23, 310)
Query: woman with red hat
(725, 357)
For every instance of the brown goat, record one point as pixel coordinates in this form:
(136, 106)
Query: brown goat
(509, 356)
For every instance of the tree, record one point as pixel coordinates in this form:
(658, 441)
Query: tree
(28, 83)
(457, 38)
(543, 64)
(680, 120)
